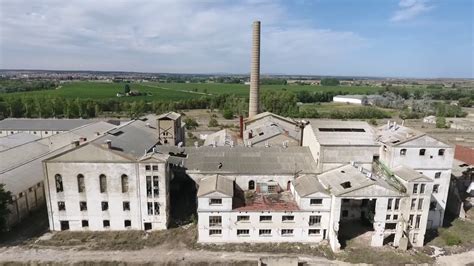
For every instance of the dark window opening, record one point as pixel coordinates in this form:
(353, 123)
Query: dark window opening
(316, 201)
(103, 183)
(422, 152)
(81, 186)
(251, 185)
(126, 205)
(127, 223)
(64, 225)
(85, 223)
(124, 183)
(441, 152)
(61, 206)
(390, 226)
(147, 226)
(346, 185)
(105, 205)
(83, 206)
(59, 183)
(106, 223)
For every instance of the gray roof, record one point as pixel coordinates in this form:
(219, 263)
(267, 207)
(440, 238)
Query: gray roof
(246, 160)
(170, 115)
(21, 167)
(337, 132)
(42, 124)
(353, 96)
(216, 183)
(308, 184)
(267, 115)
(351, 175)
(409, 174)
(224, 137)
(14, 140)
(265, 126)
(134, 138)
(395, 135)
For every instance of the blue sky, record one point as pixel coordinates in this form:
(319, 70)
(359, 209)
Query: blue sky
(395, 38)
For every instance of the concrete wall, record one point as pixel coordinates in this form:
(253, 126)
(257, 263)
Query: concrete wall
(39, 133)
(25, 202)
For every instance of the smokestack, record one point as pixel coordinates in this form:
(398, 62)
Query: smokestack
(241, 133)
(255, 70)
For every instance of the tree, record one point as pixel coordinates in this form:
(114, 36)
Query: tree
(5, 199)
(465, 102)
(228, 114)
(213, 123)
(190, 123)
(329, 82)
(441, 122)
(126, 88)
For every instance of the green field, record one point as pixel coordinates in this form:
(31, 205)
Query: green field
(174, 91)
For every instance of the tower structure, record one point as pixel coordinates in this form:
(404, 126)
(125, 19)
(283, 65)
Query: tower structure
(255, 70)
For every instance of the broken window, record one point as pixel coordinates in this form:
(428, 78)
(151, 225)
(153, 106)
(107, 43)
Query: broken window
(422, 188)
(397, 204)
(149, 192)
(389, 204)
(413, 204)
(287, 218)
(314, 219)
(155, 167)
(64, 225)
(85, 223)
(213, 232)
(155, 186)
(410, 220)
(316, 201)
(59, 183)
(215, 221)
(435, 188)
(390, 226)
(265, 218)
(422, 152)
(433, 205)
(127, 223)
(265, 232)
(403, 152)
(150, 208)
(313, 232)
(83, 206)
(243, 232)
(81, 186)
(415, 188)
(251, 185)
(215, 201)
(61, 206)
(156, 208)
(147, 226)
(147, 167)
(126, 205)
(286, 232)
(441, 152)
(437, 174)
(124, 183)
(105, 205)
(346, 185)
(272, 188)
(417, 222)
(415, 238)
(387, 217)
(106, 223)
(103, 183)
(243, 218)
(395, 217)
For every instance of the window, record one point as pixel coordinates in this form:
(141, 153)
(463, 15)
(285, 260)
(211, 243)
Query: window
(127, 223)
(346, 185)
(81, 186)
(251, 185)
(415, 188)
(314, 219)
(147, 226)
(59, 183)
(215, 202)
(243, 218)
(314, 232)
(83, 206)
(243, 232)
(316, 201)
(124, 183)
(265, 232)
(403, 152)
(272, 188)
(20, 195)
(103, 183)
(437, 174)
(387, 217)
(155, 186)
(215, 221)
(441, 152)
(410, 220)
(415, 238)
(436, 188)
(389, 204)
(106, 223)
(422, 152)
(433, 205)
(422, 188)
(417, 222)
(420, 204)
(126, 205)
(150, 208)
(213, 232)
(397, 204)
(286, 232)
(395, 217)
(105, 205)
(287, 218)
(61, 206)
(391, 226)
(413, 204)
(149, 192)
(155, 167)
(64, 225)
(156, 208)
(85, 223)
(147, 167)
(265, 218)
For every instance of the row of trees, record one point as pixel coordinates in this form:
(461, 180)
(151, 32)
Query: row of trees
(15, 85)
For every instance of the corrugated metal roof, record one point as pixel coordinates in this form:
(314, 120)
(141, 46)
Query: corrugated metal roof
(337, 132)
(308, 184)
(42, 124)
(216, 183)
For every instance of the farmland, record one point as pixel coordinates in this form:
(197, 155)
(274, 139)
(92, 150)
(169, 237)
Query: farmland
(173, 91)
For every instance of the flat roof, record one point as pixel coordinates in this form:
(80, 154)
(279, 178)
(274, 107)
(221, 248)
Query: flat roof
(353, 96)
(24, 124)
(337, 132)
(14, 140)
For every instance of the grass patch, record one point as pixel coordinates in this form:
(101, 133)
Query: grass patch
(459, 233)
(383, 256)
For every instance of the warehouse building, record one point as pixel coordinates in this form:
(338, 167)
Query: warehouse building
(39, 127)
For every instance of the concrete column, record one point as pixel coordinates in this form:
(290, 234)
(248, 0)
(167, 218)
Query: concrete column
(255, 71)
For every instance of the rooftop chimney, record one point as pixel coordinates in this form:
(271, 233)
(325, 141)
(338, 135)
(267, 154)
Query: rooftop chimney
(255, 70)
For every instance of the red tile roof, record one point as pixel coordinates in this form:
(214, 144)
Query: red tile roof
(464, 154)
(270, 202)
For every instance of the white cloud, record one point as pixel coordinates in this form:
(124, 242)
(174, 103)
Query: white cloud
(409, 9)
(161, 36)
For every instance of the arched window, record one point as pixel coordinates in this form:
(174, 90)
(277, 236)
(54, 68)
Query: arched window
(251, 185)
(81, 186)
(103, 183)
(403, 152)
(441, 152)
(59, 183)
(124, 183)
(422, 152)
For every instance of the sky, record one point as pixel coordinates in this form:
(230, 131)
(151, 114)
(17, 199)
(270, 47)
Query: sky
(385, 38)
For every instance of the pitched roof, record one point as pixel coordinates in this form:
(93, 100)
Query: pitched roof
(224, 137)
(42, 124)
(14, 140)
(268, 114)
(393, 134)
(216, 183)
(409, 174)
(308, 184)
(464, 154)
(337, 132)
(169, 115)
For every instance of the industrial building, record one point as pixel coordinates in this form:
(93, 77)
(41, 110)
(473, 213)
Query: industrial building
(39, 127)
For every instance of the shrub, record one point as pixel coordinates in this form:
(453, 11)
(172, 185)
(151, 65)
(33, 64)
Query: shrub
(228, 114)
(191, 123)
(213, 123)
